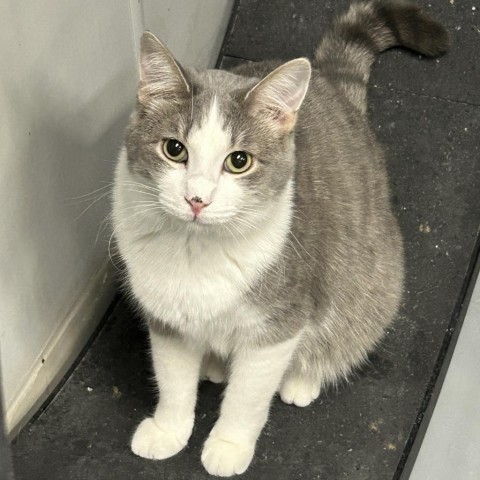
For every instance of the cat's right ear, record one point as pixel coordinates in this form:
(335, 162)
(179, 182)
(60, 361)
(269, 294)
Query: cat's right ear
(161, 77)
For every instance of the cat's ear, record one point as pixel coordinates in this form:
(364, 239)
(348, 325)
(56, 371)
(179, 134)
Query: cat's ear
(161, 77)
(279, 95)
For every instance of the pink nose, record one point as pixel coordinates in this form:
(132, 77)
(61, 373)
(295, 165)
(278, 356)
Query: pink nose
(196, 204)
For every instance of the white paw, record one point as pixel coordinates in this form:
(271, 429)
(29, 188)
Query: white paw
(299, 391)
(150, 441)
(213, 369)
(225, 459)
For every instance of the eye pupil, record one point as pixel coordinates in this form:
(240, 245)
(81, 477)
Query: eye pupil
(239, 159)
(238, 162)
(174, 148)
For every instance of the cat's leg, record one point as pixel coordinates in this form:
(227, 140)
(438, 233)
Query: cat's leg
(302, 382)
(213, 368)
(255, 375)
(177, 371)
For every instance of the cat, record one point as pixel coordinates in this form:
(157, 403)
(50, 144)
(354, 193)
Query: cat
(251, 210)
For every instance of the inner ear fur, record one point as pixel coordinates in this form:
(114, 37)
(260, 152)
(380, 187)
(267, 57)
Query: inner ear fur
(161, 76)
(280, 94)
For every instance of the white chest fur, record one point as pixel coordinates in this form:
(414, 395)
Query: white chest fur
(193, 278)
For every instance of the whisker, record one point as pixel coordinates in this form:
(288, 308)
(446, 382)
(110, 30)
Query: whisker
(237, 229)
(225, 227)
(79, 197)
(90, 206)
(121, 224)
(142, 208)
(109, 246)
(140, 192)
(138, 184)
(102, 227)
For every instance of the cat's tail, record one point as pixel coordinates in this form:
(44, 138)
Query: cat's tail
(348, 50)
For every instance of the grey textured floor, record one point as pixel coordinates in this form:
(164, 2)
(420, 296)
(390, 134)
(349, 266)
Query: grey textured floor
(427, 114)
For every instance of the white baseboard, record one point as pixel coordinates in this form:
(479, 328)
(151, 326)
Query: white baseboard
(62, 349)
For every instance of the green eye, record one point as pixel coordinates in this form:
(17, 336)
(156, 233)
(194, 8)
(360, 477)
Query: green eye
(238, 162)
(175, 150)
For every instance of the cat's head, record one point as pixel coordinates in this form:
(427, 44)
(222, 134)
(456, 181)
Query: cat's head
(215, 145)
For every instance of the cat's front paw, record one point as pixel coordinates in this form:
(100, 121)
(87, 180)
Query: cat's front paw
(224, 459)
(299, 391)
(150, 441)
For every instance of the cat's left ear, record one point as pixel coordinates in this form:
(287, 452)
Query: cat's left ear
(161, 77)
(279, 95)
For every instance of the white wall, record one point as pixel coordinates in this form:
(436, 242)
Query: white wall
(192, 29)
(67, 83)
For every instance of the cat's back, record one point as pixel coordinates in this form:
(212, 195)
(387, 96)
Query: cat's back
(336, 150)
(341, 176)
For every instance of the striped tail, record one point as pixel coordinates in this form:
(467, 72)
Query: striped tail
(348, 50)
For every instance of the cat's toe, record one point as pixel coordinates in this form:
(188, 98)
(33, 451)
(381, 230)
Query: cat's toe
(299, 391)
(150, 441)
(224, 459)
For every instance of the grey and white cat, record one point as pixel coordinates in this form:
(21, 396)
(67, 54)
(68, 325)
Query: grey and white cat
(252, 211)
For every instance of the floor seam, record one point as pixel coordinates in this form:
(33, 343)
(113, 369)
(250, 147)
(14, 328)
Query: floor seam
(424, 95)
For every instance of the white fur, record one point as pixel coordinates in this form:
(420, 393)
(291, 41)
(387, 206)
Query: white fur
(177, 369)
(192, 275)
(254, 378)
(299, 391)
(208, 145)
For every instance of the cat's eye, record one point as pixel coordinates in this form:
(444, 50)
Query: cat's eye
(174, 150)
(238, 162)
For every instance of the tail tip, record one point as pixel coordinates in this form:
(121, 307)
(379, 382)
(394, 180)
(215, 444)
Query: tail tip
(417, 29)
(438, 41)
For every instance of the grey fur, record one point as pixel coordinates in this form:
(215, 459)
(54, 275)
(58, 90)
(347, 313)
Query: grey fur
(341, 273)
(347, 52)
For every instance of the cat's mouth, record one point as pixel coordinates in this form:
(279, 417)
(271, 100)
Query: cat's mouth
(203, 219)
